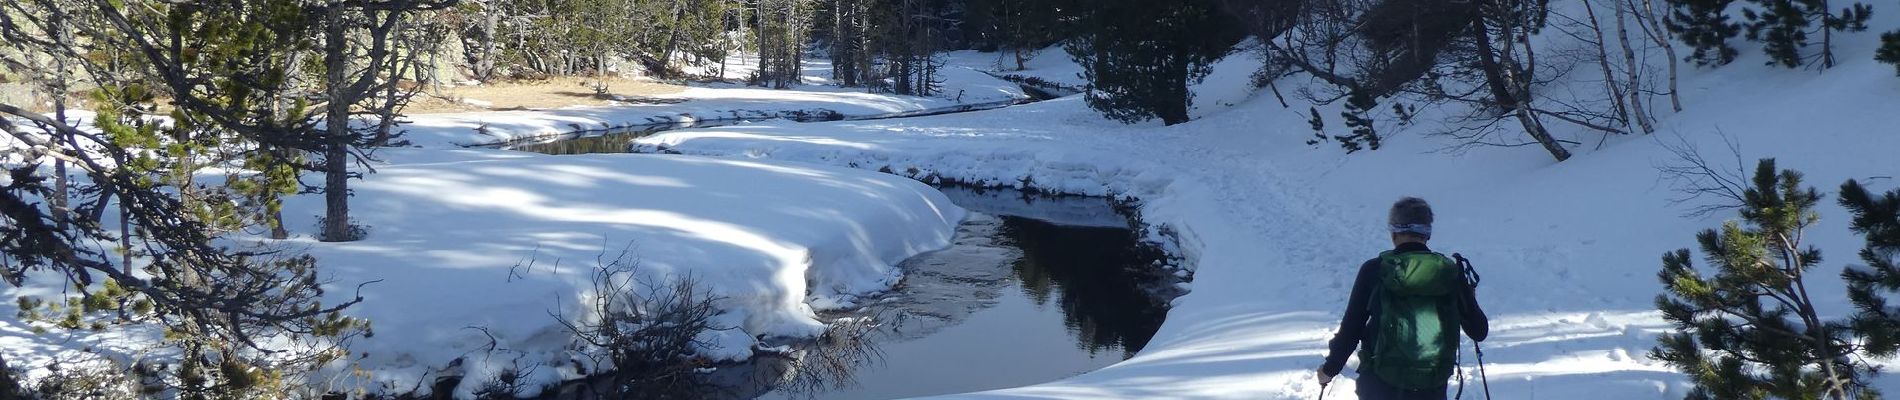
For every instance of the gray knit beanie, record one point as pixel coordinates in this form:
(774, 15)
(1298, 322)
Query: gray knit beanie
(1411, 215)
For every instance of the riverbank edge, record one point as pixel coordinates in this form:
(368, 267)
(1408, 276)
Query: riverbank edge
(654, 124)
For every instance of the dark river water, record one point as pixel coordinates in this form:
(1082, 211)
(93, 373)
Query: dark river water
(1035, 289)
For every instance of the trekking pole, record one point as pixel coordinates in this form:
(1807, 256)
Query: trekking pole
(1472, 278)
(1481, 379)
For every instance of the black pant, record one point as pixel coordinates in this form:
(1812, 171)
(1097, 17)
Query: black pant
(1373, 388)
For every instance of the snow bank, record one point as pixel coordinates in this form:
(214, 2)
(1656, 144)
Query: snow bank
(450, 232)
(1275, 229)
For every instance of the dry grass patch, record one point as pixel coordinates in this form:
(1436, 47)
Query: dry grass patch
(536, 94)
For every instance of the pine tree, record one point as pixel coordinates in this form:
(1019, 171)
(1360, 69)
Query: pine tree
(361, 44)
(1363, 136)
(1140, 56)
(232, 91)
(1784, 28)
(1704, 25)
(1751, 330)
(1889, 51)
(1877, 217)
(781, 30)
(851, 63)
(1319, 127)
(906, 36)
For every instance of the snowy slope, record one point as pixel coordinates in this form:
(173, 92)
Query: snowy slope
(1275, 229)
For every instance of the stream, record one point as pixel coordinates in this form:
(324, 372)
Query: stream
(1035, 288)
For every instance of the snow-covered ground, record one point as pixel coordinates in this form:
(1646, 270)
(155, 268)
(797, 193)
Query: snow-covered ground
(1272, 227)
(964, 86)
(450, 230)
(1275, 228)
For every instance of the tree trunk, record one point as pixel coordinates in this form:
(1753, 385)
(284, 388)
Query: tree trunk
(1635, 90)
(394, 95)
(273, 202)
(61, 207)
(1488, 62)
(1610, 84)
(125, 236)
(485, 69)
(1653, 30)
(336, 193)
(1535, 128)
(1835, 385)
(61, 203)
(762, 36)
(795, 23)
(1018, 40)
(1827, 38)
(672, 39)
(277, 230)
(1518, 77)
(60, 189)
(844, 59)
(1175, 110)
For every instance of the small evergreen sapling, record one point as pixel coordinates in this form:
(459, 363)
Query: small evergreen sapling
(1319, 127)
(1358, 117)
(1751, 330)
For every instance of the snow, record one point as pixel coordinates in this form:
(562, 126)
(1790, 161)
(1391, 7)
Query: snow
(450, 231)
(1050, 64)
(1271, 228)
(963, 87)
(1275, 229)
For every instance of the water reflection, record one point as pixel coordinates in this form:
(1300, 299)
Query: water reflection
(1080, 254)
(1096, 277)
(1036, 288)
(619, 141)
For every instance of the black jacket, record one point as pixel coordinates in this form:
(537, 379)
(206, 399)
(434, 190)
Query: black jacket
(1355, 327)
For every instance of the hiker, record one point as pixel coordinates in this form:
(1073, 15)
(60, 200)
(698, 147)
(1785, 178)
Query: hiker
(1403, 307)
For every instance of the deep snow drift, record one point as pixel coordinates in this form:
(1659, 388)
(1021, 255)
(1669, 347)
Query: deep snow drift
(1275, 229)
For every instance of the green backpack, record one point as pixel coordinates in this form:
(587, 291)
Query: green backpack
(1415, 334)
